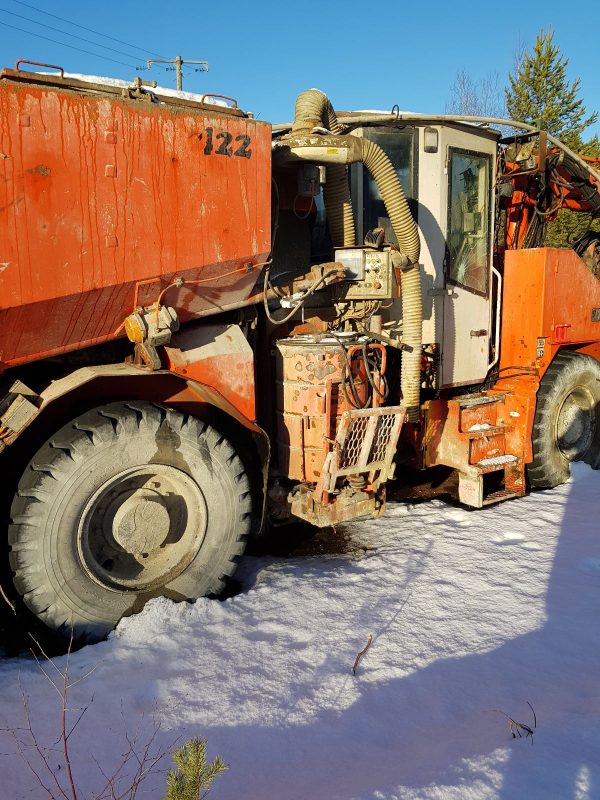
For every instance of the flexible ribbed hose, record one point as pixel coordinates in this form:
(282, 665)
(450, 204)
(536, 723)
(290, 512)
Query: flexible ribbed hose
(313, 109)
(412, 335)
(407, 234)
(338, 205)
(379, 165)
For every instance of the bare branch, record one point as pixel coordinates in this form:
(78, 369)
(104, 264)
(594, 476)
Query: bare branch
(43, 652)
(6, 599)
(83, 677)
(362, 653)
(533, 712)
(33, 770)
(36, 746)
(515, 727)
(142, 753)
(79, 718)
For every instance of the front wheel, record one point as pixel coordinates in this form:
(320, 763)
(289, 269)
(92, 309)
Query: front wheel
(127, 502)
(567, 419)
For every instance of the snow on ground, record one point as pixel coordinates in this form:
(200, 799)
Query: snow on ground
(470, 612)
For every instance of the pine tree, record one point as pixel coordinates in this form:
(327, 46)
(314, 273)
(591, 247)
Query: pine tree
(192, 777)
(540, 93)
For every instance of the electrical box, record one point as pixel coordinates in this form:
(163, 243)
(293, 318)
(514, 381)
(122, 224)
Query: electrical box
(370, 273)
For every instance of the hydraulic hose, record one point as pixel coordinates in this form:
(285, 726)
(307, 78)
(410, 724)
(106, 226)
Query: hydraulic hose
(314, 110)
(327, 149)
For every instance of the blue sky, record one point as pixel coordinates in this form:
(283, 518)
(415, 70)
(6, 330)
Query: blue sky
(362, 55)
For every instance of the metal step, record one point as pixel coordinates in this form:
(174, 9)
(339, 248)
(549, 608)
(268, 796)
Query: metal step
(484, 430)
(498, 497)
(481, 400)
(17, 407)
(493, 464)
(497, 461)
(471, 483)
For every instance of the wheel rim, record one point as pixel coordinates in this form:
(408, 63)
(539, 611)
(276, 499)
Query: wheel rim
(576, 424)
(142, 528)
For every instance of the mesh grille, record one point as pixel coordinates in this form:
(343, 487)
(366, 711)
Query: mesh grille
(357, 432)
(382, 438)
(365, 443)
(354, 440)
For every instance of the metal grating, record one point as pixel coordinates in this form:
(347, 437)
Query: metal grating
(361, 427)
(383, 436)
(351, 450)
(365, 444)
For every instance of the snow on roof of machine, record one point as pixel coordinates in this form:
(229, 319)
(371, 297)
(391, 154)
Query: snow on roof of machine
(156, 90)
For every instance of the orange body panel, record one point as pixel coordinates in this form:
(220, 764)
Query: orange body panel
(103, 201)
(549, 295)
(219, 357)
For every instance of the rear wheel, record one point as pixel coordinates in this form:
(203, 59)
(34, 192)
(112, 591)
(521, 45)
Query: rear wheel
(567, 419)
(127, 502)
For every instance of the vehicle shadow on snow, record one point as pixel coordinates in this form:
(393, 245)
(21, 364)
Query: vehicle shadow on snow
(557, 666)
(439, 725)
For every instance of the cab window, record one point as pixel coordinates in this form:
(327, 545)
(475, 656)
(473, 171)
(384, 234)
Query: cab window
(469, 220)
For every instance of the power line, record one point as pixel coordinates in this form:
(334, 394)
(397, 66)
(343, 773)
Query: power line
(89, 30)
(64, 44)
(65, 33)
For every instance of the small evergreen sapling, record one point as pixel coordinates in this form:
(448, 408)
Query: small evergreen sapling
(192, 777)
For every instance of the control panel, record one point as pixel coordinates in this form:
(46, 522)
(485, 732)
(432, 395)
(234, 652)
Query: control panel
(370, 273)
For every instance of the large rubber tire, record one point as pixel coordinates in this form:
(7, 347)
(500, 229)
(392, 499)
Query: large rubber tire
(567, 419)
(127, 502)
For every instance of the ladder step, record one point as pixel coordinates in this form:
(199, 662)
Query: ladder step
(481, 400)
(493, 464)
(497, 461)
(483, 430)
(498, 497)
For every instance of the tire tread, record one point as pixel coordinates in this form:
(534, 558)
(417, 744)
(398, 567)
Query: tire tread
(61, 457)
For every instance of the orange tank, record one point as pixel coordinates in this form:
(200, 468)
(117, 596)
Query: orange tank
(107, 196)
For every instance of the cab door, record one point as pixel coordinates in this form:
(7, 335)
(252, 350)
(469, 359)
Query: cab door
(467, 321)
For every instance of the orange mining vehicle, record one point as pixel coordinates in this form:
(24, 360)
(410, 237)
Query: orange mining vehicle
(209, 324)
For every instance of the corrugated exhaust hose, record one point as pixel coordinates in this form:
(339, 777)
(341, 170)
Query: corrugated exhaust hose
(407, 234)
(338, 205)
(313, 109)
(379, 165)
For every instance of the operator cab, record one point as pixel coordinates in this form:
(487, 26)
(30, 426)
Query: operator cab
(447, 172)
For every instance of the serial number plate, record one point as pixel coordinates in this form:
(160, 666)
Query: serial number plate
(595, 314)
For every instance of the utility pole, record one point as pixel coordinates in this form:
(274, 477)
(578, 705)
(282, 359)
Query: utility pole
(178, 61)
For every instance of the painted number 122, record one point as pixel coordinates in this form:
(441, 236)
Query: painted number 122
(221, 144)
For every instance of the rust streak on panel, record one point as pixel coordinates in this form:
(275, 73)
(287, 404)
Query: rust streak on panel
(103, 193)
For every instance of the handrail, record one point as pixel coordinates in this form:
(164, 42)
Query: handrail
(37, 64)
(496, 358)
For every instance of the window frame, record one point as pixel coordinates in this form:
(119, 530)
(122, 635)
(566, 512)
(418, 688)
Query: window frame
(487, 157)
